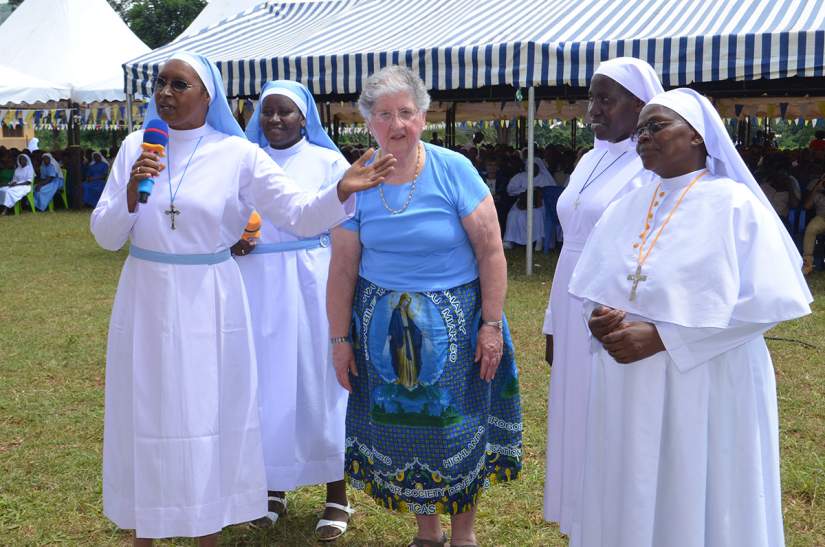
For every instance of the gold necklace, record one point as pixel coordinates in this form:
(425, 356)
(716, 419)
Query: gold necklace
(637, 277)
(418, 168)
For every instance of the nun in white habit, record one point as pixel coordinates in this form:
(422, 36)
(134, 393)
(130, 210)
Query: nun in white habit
(182, 445)
(618, 91)
(516, 226)
(303, 407)
(20, 184)
(682, 434)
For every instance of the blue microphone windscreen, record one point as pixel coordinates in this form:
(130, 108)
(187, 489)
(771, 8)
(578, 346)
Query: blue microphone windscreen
(156, 132)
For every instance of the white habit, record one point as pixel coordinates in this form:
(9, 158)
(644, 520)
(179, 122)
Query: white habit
(682, 447)
(303, 407)
(9, 195)
(516, 228)
(612, 169)
(182, 449)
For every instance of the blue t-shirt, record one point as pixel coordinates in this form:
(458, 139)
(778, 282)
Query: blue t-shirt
(425, 247)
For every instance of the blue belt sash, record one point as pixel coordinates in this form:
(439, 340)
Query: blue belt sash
(311, 243)
(170, 258)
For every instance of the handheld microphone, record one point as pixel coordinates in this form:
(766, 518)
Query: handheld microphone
(155, 139)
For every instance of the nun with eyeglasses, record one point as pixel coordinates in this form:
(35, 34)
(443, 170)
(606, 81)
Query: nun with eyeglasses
(182, 451)
(682, 444)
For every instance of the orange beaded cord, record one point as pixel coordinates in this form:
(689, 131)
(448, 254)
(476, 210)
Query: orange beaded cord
(641, 260)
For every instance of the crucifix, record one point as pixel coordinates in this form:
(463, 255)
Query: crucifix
(636, 278)
(172, 212)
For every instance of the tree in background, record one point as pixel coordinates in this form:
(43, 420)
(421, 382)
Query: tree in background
(158, 22)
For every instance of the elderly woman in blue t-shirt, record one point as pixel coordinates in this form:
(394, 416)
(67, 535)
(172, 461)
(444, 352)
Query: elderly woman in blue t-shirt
(415, 302)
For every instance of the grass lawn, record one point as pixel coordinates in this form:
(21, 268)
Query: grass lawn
(56, 289)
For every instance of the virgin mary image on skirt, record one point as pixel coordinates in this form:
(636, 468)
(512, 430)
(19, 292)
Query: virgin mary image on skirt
(424, 433)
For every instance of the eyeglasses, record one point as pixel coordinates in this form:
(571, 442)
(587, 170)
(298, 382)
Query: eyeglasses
(178, 86)
(404, 115)
(651, 128)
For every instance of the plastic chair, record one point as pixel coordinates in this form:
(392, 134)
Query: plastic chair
(30, 196)
(62, 193)
(550, 195)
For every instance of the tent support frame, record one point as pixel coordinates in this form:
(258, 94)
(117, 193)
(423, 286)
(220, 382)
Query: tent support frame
(531, 120)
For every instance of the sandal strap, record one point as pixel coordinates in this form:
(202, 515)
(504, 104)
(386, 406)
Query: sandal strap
(276, 498)
(273, 516)
(348, 509)
(337, 524)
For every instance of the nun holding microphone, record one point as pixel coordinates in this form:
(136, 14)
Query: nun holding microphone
(182, 452)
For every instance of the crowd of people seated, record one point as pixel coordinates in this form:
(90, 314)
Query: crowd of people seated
(502, 167)
(791, 179)
(794, 182)
(33, 178)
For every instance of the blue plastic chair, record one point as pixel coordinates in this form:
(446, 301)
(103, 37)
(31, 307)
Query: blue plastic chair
(550, 196)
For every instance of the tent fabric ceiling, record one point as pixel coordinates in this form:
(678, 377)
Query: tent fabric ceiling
(17, 88)
(333, 46)
(79, 44)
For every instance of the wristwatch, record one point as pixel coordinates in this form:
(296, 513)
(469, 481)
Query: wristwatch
(495, 324)
(339, 340)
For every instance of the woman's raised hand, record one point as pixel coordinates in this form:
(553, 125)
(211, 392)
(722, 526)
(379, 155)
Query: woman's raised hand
(361, 177)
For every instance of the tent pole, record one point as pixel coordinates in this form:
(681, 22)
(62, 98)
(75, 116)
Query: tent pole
(129, 121)
(573, 125)
(447, 127)
(531, 115)
(452, 121)
(74, 163)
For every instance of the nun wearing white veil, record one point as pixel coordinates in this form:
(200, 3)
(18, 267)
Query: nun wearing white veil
(182, 449)
(618, 91)
(20, 184)
(682, 434)
(303, 407)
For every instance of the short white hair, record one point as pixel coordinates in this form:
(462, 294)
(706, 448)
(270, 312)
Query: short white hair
(390, 80)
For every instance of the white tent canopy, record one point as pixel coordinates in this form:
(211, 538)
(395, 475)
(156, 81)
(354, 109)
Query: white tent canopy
(18, 89)
(80, 44)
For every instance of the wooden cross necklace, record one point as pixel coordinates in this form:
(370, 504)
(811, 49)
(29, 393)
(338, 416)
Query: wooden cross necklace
(588, 182)
(637, 277)
(172, 212)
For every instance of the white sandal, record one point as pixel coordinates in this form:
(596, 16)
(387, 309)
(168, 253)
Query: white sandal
(339, 525)
(272, 516)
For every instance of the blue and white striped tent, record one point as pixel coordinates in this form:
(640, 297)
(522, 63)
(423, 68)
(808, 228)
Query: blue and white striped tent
(332, 46)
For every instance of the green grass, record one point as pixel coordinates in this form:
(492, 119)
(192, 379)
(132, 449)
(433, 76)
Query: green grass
(56, 290)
